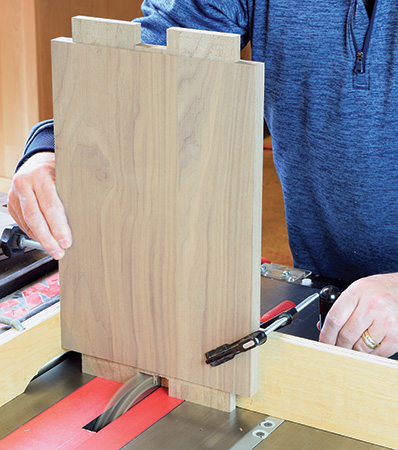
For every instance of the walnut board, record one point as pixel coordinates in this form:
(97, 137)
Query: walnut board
(159, 166)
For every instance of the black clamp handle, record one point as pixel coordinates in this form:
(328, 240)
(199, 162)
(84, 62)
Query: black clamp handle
(10, 241)
(226, 352)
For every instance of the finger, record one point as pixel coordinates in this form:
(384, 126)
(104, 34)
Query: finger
(36, 205)
(337, 317)
(389, 326)
(32, 214)
(360, 320)
(54, 214)
(13, 207)
(20, 204)
(376, 333)
(387, 347)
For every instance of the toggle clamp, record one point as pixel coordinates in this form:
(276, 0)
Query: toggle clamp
(226, 352)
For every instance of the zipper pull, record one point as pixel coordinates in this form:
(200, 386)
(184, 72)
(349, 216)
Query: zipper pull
(359, 63)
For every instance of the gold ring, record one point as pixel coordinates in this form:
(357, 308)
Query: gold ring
(369, 341)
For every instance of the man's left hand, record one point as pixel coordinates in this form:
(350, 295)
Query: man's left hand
(369, 304)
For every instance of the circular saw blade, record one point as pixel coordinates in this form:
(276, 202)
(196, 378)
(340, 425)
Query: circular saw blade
(132, 392)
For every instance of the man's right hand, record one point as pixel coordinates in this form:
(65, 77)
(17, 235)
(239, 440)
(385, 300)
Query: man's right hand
(34, 204)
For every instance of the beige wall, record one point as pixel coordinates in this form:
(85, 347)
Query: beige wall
(18, 81)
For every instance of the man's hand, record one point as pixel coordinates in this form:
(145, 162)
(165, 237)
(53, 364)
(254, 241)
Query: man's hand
(368, 304)
(34, 204)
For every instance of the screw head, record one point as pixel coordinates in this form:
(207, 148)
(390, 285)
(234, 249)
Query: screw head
(260, 434)
(267, 424)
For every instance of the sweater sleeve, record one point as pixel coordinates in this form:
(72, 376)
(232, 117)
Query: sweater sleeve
(40, 139)
(229, 16)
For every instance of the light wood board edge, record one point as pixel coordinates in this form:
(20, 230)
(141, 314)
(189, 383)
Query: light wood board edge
(194, 393)
(203, 44)
(202, 395)
(106, 32)
(180, 41)
(107, 369)
(330, 388)
(24, 353)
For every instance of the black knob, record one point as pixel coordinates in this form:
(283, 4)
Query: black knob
(327, 296)
(9, 241)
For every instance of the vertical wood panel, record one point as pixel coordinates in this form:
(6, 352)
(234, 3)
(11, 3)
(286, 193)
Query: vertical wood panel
(18, 80)
(159, 167)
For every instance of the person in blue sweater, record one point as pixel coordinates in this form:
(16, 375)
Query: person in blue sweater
(331, 105)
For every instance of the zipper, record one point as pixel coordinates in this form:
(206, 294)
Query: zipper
(359, 62)
(361, 54)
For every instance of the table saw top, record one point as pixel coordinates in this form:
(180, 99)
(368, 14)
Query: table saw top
(188, 426)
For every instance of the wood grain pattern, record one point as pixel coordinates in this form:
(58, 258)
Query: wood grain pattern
(24, 353)
(330, 388)
(107, 369)
(203, 44)
(110, 33)
(202, 395)
(159, 167)
(194, 393)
